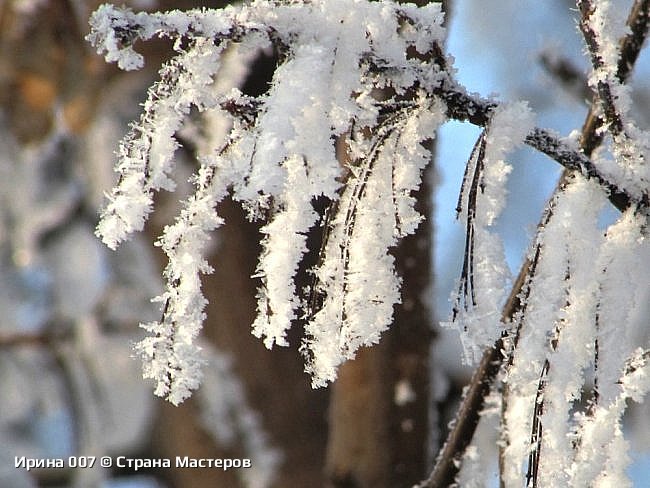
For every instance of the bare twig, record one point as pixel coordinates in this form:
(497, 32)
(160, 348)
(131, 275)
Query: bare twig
(469, 188)
(43, 338)
(567, 74)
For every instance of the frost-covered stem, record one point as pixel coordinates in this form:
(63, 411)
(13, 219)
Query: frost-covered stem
(118, 29)
(467, 418)
(603, 427)
(604, 88)
(638, 22)
(572, 160)
(612, 94)
(462, 106)
(468, 414)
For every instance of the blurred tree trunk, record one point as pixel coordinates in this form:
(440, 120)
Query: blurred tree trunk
(379, 409)
(381, 403)
(46, 70)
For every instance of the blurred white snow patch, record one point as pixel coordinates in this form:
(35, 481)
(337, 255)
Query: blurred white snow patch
(126, 401)
(132, 482)
(227, 416)
(135, 278)
(77, 262)
(27, 7)
(12, 477)
(404, 393)
(24, 298)
(35, 420)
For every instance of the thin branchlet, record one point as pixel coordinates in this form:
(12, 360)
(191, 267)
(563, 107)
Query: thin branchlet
(466, 296)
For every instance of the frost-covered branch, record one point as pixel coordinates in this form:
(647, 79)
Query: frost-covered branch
(372, 82)
(485, 273)
(603, 28)
(593, 23)
(278, 159)
(460, 435)
(630, 47)
(333, 62)
(116, 30)
(601, 434)
(462, 106)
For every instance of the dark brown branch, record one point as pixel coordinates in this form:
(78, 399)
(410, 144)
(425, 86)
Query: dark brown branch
(464, 107)
(567, 74)
(638, 22)
(467, 418)
(532, 473)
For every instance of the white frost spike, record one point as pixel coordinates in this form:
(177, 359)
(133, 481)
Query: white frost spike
(357, 278)
(284, 246)
(170, 357)
(547, 316)
(410, 158)
(575, 328)
(625, 297)
(357, 275)
(602, 455)
(146, 153)
(295, 162)
(481, 324)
